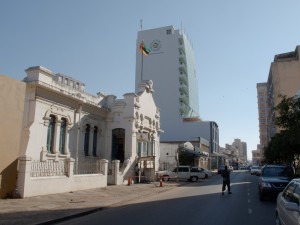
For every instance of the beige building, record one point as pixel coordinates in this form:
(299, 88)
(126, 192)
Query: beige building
(12, 96)
(262, 113)
(238, 150)
(284, 79)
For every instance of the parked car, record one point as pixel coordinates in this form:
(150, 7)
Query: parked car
(182, 173)
(255, 170)
(207, 172)
(273, 179)
(287, 204)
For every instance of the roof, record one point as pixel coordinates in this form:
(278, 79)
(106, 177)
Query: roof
(197, 152)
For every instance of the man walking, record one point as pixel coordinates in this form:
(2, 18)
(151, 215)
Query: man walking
(226, 180)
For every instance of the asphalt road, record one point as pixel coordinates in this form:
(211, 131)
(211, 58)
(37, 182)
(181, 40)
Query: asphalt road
(199, 203)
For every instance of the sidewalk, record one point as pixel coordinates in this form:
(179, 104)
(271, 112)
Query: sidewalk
(47, 209)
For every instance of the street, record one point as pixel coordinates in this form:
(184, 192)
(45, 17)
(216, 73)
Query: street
(194, 204)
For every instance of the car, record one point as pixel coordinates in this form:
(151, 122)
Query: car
(207, 172)
(287, 204)
(255, 170)
(273, 180)
(182, 173)
(242, 167)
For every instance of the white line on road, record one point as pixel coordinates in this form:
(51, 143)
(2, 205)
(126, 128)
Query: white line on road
(249, 211)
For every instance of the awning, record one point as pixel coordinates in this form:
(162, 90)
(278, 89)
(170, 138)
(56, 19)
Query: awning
(195, 153)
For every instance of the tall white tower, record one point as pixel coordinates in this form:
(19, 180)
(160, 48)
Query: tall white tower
(170, 64)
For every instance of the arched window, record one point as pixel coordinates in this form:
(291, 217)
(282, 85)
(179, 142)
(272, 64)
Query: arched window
(86, 140)
(50, 134)
(62, 136)
(95, 141)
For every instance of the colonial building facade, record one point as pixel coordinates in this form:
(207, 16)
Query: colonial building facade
(72, 140)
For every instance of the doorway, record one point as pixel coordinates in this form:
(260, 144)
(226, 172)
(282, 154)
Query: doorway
(118, 144)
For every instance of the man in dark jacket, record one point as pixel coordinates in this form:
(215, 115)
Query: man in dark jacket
(226, 180)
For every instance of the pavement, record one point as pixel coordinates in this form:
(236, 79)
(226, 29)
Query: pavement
(51, 209)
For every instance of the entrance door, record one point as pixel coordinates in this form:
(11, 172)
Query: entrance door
(118, 144)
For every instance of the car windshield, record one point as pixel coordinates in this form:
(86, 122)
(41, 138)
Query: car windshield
(277, 172)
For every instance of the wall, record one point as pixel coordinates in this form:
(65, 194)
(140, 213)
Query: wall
(12, 95)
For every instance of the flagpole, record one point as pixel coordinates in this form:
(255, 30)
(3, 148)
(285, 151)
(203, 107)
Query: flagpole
(142, 67)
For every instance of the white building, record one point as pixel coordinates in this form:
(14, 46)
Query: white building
(72, 140)
(171, 66)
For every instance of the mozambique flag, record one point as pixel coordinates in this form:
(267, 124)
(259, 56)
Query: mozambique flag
(144, 49)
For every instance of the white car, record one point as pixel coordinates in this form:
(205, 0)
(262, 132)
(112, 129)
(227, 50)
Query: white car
(207, 172)
(287, 205)
(182, 173)
(255, 170)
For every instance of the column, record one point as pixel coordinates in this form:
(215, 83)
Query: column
(23, 183)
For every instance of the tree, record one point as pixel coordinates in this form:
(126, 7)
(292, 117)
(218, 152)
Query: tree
(289, 117)
(284, 147)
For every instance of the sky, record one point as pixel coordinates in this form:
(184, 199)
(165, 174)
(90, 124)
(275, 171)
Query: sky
(94, 41)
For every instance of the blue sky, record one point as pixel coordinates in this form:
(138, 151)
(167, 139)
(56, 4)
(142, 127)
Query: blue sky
(94, 41)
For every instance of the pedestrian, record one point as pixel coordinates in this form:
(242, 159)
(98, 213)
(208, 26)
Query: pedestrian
(226, 180)
(137, 173)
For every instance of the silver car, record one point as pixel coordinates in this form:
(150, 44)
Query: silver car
(287, 206)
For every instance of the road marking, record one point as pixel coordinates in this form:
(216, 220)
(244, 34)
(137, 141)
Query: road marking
(249, 211)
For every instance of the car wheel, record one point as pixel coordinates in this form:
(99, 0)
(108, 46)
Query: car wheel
(165, 178)
(193, 179)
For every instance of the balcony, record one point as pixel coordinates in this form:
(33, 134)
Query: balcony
(182, 70)
(181, 51)
(184, 99)
(183, 80)
(184, 89)
(182, 61)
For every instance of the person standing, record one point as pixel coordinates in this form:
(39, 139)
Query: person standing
(137, 173)
(226, 180)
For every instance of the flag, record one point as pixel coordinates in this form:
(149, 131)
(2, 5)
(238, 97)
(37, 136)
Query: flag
(144, 49)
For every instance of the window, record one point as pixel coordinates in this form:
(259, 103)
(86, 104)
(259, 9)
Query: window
(86, 140)
(169, 31)
(183, 169)
(151, 147)
(288, 192)
(142, 149)
(95, 141)
(50, 134)
(62, 136)
(296, 195)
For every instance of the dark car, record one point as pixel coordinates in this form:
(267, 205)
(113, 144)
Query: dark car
(273, 179)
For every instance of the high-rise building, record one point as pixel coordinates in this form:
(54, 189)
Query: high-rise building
(284, 79)
(171, 66)
(262, 113)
